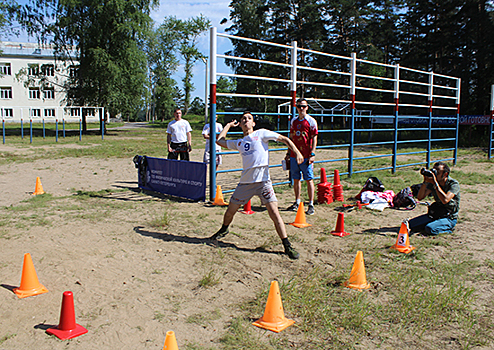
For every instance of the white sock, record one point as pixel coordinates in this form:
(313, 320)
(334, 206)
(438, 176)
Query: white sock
(298, 201)
(311, 202)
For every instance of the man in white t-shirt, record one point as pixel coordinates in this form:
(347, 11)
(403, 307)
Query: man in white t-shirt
(205, 134)
(178, 137)
(253, 148)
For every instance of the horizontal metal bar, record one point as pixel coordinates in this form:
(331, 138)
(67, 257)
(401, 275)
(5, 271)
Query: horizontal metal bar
(324, 54)
(373, 130)
(253, 96)
(254, 60)
(374, 143)
(413, 93)
(323, 70)
(408, 153)
(376, 63)
(253, 77)
(301, 82)
(410, 164)
(442, 150)
(375, 77)
(374, 89)
(412, 129)
(369, 170)
(253, 40)
(334, 146)
(412, 141)
(372, 157)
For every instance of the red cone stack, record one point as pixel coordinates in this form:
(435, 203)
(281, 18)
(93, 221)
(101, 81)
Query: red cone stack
(67, 328)
(247, 209)
(340, 227)
(324, 193)
(337, 188)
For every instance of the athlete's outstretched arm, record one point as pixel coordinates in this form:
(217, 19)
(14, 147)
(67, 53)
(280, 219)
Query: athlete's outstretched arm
(221, 137)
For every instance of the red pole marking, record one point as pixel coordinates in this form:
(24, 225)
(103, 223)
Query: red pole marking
(213, 93)
(353, 101)
(294, 98)
(430, 106)
(396, 104)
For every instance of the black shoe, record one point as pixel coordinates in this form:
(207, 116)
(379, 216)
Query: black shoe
(220, 234)
(291, 252)
(293, 207)
(310, 210)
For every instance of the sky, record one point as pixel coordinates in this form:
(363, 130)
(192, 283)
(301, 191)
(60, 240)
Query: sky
(214, 10)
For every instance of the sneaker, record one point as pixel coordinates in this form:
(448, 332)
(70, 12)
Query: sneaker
(291, 252)
(220, 234)
(293, 207)
(310, 210)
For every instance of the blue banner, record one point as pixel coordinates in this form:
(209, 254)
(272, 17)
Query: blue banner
(173, 177)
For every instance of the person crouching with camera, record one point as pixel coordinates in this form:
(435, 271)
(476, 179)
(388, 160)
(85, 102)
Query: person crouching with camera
(442, 215)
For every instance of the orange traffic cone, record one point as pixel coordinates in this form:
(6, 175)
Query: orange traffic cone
(67, 328)
(170, 341)
(29, 280)
(324, 179)
(39, 188)
(218, 199)
(300, 218)
(274, 317)
(403, 242)
(247, 209)
(340, 226)
(357, 278)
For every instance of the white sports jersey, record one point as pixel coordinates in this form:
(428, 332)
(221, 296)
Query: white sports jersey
(205, 131)
(255, 156)
(178, 130)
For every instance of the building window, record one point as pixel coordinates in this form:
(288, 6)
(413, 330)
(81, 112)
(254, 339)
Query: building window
(49, 94)
(8, 113)
(75, 112)
(34, 93)
(5, 69)
(33, 69)
(50, 112)
(6, 93)
(73, 71)
(48, 70)
(36, 113)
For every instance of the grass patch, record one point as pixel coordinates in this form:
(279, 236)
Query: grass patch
(210, 279)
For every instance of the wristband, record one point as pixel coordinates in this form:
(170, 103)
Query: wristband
(312, 154)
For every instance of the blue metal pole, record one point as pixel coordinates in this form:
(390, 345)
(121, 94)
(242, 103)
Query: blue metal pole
(63, 127)
(212, 144)
(56, 130)
(429, 137)
(80, 129)
(350, 150)
(102, 121)
(30, 131)
(3, 128)
(490, 135)
(395, 145)
(43, 128)
(457, 135)
(22, 129)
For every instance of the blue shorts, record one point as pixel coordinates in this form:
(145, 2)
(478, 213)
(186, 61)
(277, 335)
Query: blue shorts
(305, 168)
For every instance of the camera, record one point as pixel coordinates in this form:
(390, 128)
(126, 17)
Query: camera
(427, 172)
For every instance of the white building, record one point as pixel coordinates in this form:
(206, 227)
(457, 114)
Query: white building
(22, 62)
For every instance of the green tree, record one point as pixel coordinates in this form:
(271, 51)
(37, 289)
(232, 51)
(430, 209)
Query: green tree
(163, 63)
(189, 32)
(103, 43)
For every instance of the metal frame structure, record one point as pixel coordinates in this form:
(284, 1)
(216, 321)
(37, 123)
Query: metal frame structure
(65, 116)
(442, 96)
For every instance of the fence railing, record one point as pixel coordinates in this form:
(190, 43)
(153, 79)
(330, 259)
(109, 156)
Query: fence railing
(52, 114)
(386, 90)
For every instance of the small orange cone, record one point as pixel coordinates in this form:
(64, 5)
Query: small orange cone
(39, 187)
(403, 242)
(300, 218)
(274, 316)
(247, 209)
(29, 280)
(170, 341)
(218, 199)
(357, 278)
(340, 226)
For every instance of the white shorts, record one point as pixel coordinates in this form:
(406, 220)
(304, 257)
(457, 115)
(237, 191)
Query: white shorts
(244, 192)
(206, 157)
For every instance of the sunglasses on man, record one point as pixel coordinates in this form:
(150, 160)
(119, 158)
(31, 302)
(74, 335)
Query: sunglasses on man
(302, 106)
